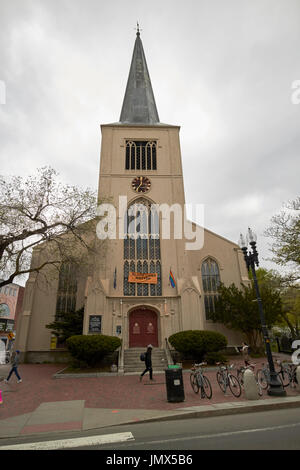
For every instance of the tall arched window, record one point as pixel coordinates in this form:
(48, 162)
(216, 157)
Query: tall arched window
(142, 248)
(210, 281)
(67, 289)
(66, 294)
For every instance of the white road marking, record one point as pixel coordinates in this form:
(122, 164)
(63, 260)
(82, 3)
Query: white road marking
(69, 443)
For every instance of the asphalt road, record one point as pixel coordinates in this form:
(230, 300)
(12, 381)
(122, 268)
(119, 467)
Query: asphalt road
(271, 430)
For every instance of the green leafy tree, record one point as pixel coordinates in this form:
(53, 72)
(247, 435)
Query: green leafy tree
(238, 310)
(285, 232)
(290, 315)
(290, 299)
(67, 325)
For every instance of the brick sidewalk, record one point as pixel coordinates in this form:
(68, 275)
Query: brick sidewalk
(112, 392)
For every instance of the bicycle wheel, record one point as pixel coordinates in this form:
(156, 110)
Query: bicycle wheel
(234, 385)
(261, 379)
(259, 388)
(284, 377)
(221, 381)
(240, 377)
(294, 381)
(206, 387)
(194, 383)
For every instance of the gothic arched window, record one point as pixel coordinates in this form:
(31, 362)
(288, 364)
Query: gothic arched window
(142, 248)
(67, 289)
(66, 294)
(210, 281)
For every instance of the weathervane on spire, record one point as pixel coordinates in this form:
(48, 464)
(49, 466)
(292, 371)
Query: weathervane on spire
(138, 29)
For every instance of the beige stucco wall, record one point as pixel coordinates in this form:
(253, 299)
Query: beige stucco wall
(178, 308)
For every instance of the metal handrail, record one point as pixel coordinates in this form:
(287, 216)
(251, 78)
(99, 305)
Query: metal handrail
(121, 359)
(168, 353)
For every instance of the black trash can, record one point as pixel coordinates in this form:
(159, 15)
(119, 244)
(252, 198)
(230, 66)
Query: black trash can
(174, 384)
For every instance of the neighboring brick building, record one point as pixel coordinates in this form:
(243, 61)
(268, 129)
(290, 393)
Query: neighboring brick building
(11, 301)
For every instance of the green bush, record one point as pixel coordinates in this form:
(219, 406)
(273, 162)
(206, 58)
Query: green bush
(196, 343)
(213, 357)
(91, 349)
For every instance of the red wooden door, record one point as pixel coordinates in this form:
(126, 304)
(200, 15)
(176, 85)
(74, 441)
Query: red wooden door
(143, 328)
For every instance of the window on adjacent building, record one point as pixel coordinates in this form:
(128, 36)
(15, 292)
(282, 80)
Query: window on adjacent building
(4, 310)
(210, 281)
(140, 155)
(142, 248)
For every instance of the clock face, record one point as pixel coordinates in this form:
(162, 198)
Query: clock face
(141, 184)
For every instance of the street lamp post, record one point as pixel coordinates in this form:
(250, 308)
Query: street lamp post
(251, 259)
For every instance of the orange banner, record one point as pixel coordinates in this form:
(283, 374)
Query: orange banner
(143, 278)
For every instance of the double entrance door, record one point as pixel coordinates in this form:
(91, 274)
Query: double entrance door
(143, 328)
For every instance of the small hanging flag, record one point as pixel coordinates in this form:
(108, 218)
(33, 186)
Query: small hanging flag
(172, 279)
(115, 278)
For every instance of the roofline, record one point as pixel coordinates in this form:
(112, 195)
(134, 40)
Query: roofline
(216, 234)
(136, 125)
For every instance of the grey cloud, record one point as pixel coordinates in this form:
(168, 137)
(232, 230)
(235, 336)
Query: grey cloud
(221, 70)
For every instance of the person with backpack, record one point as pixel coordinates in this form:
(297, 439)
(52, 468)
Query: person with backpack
(148, 362)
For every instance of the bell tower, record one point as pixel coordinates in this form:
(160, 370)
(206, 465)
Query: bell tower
(141, 163)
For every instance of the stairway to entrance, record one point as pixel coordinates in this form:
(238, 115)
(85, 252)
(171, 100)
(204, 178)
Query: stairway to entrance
(132, 362)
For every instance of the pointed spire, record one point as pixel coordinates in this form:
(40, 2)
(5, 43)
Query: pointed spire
(139, 104)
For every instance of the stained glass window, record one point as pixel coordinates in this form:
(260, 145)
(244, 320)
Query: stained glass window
(141, 251)
(210, 281)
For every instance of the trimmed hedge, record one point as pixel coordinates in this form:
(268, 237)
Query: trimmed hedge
(197, 343)
(212, 357)
(91, 349)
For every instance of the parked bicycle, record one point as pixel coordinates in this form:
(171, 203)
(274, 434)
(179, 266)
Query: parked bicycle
(240, 376)
(200, 381)
(292, 373)
(263, 375)
(226, 379)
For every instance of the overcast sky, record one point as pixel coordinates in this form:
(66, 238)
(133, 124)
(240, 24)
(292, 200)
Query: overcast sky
(221, 69)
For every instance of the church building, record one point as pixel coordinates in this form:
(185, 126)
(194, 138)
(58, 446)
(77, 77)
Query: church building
(151, 282)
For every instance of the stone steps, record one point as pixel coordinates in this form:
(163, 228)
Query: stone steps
(132, 362)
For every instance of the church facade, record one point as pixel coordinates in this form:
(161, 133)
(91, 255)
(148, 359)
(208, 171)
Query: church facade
(154, 279)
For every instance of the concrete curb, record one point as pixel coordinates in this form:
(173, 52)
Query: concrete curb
(60, 375)
(222, 409)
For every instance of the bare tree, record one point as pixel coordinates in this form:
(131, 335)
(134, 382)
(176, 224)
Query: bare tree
(41, 214)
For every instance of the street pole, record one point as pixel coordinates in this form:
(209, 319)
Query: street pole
(251, 259)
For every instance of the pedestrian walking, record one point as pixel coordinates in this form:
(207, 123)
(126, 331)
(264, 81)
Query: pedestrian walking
(148, 363)
(245, 353)
(14, 368)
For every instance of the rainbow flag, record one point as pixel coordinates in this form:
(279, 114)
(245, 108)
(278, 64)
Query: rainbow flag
(172, 279)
